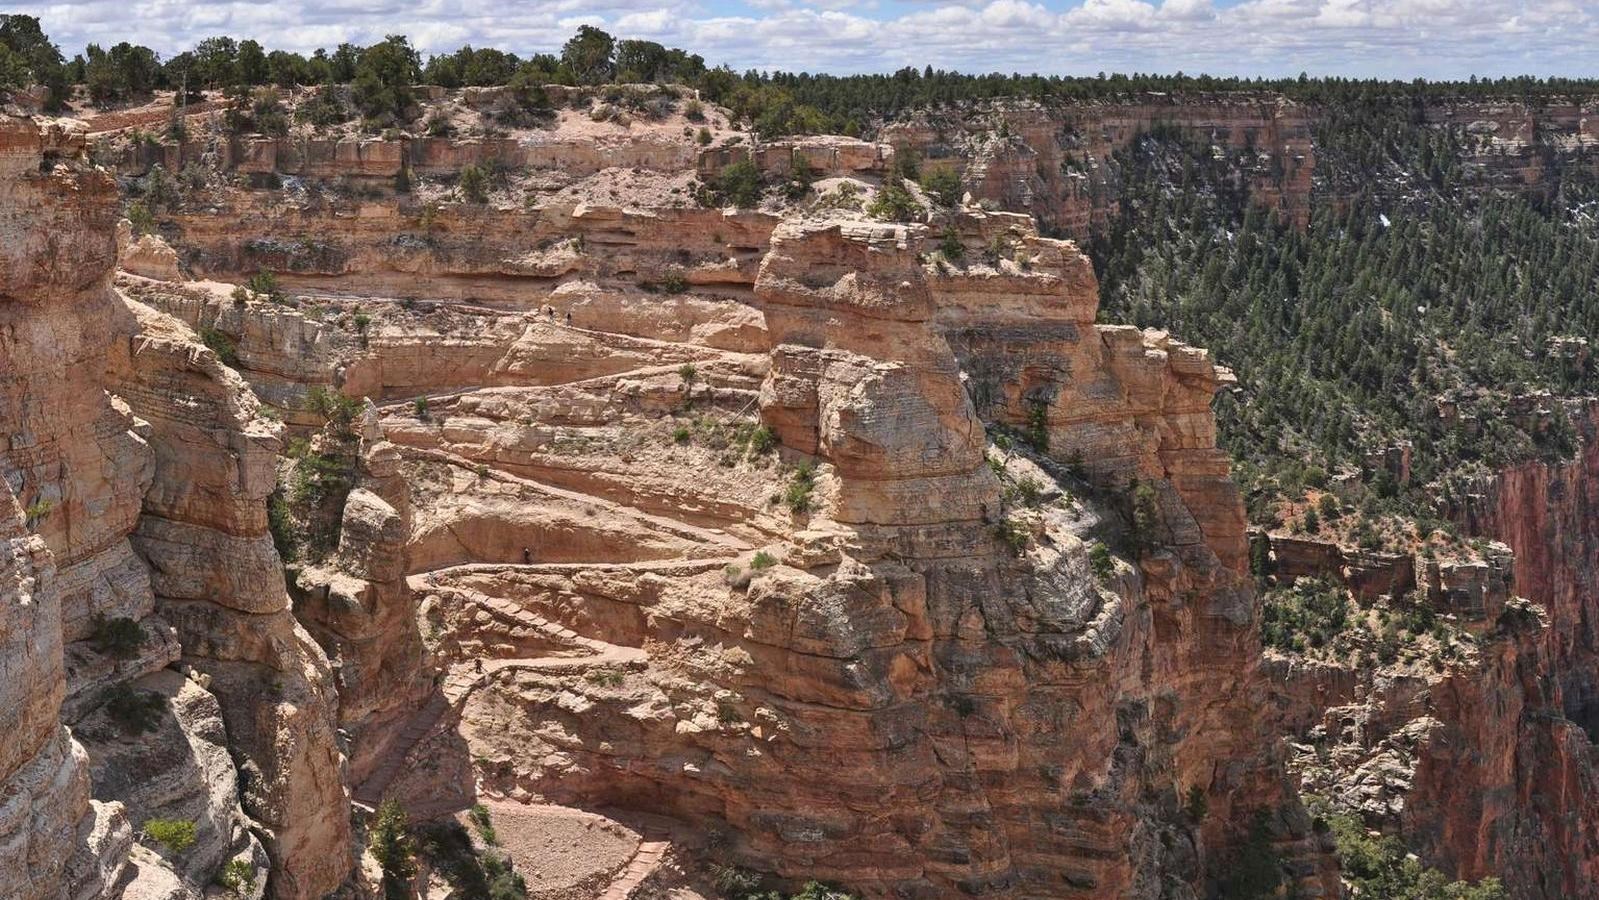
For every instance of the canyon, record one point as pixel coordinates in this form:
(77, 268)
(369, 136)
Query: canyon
(780, 540)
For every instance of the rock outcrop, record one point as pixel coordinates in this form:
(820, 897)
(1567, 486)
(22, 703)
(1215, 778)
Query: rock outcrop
(133, 456)
(73, 470)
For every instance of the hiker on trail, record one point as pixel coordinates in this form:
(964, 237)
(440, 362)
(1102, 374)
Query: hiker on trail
(478, 665)
(527, 556)
(569, 318)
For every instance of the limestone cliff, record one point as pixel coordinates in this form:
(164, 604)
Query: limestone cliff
(134, 492)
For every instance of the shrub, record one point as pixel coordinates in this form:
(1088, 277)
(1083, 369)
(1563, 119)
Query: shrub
(390, 843)
(419, 406)
(1012, 534)
(485, 876)
(762, 560)
(674, 283)
(894, 203)
(763, 440)
(265, 284)
(1329, 507)
(740, 184)
(1197, 804)
(951, 245)
(1146, 515)
(140, 217)
(334, 407)
(220, 344)
(474, 184)
(1307, 614)
(732, 881)
(943, 185)
(177, 835)
(484, 825)
(1038, 428)
(280, 522)
(1100, 561)
(703, 137)
(1381, 866)
(119, 638)
(237, 877)
(681, 434)
(798, 493)
(1028, 491)
(37, 511)
(133, 710)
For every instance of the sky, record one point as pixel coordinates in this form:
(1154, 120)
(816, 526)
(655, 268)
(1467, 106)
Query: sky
(1434, 39)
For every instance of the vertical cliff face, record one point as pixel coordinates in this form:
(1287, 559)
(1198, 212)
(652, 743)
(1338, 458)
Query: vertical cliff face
(1056, 162)
(135, 463)
(217, 578)
(73, 471)
(1545, 841)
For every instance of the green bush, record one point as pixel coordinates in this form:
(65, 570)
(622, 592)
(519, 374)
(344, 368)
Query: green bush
(177, 835)
(280, 522)
(389, 842)
(265, 284)
(951, 246)
(482, 876)
(1305, 615)
(474, 184)
(763, 440)
(797, 496)
(119, 638)
(762, 560)
(1381, 866)
(1146, 516)
(894, 203)
(237, 877)
(740, 184)
(221, 344)
(942, 184)
(1100, 561)
(140, 217)
(484, 824)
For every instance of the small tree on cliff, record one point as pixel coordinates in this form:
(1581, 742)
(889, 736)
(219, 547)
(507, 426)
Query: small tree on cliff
(390, 844)
(474, 185)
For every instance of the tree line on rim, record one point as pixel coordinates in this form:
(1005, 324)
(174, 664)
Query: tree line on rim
(774, 103)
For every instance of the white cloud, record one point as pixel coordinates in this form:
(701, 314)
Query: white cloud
(1387, 38)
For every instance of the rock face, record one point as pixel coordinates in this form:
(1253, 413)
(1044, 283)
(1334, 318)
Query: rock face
(875, 557)
(217, 578)
(139, 470)
(1055, 162)
(1008, 721)
(73, 471)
